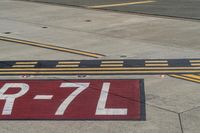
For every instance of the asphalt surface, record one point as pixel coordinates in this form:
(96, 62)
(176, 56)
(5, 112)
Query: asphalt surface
(174, 8)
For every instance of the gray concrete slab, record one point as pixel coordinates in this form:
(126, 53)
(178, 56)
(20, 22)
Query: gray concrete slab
(58, 35)
(190, 120)
(156, 123)
(169, 32)
(11, 51)
(176, 8)
(157, 31)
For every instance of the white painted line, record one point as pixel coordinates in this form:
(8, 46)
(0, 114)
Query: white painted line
(43, 97)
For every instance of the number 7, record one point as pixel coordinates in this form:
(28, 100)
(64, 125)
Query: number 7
(101, 106)
(81, 87)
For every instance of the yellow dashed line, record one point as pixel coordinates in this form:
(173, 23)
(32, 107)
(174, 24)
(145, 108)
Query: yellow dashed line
(111, 65)
(18, 66)
(110, 62)
(195, 64)
(156, 61)
(156, 64)
(194, 61)
(25, 63)
(64, 63)
(67, 65)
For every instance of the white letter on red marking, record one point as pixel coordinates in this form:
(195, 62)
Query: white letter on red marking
(101, 110)
(81, 87)
(10, 98)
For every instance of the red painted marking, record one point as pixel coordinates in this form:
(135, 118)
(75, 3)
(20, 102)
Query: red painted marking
(123, 94)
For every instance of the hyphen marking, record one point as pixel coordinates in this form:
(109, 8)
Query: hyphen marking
(43, 97)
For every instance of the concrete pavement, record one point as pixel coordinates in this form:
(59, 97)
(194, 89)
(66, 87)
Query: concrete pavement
(172, 105)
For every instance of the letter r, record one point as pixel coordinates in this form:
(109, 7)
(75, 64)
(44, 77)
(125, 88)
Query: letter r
(10, 98)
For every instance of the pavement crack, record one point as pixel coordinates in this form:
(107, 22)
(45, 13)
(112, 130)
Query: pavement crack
(180, 121)
(161, 108)
(189, 109)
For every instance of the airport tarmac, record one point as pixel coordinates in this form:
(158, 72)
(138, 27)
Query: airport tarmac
(174, 8)
(31, 33)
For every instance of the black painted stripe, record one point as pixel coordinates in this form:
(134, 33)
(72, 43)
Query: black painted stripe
(98, 63)
(134, 63)
(179, 62)
(46, 64)
(7, 64)
(90, 63)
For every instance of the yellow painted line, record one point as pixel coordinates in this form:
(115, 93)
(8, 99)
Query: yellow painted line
(67, 65)
(23, 66)
(67, 62)
(192, 76)
(194, 61)
(111, 65)
(156, 61)
(25, 63)
(110, 62)
(181, 77)
(156, 64)
(121, 4)
(195, 64)
(101, 69)
(103, 72)
(49, 46)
